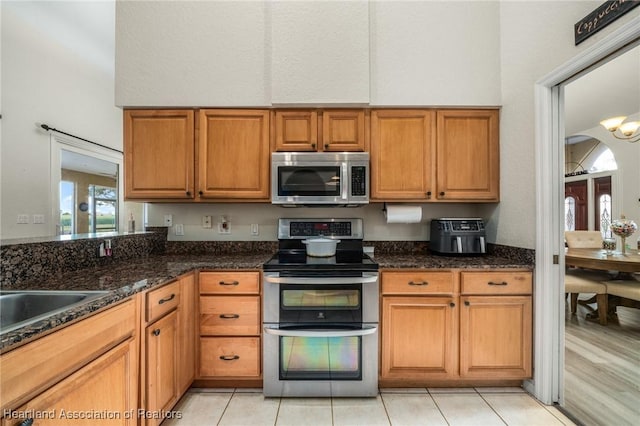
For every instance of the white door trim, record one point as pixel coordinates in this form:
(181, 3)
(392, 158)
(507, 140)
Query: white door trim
(549, 139)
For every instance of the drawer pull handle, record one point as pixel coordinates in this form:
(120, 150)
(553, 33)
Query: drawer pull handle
(229, 357)
(229, 316)
(494, 283)
(161, 301)
(156, 332)
(229, 283)
(418, 283)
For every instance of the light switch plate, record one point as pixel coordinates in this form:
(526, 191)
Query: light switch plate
(179, 230)
(23, 218)
(206, 221)
(255, 230)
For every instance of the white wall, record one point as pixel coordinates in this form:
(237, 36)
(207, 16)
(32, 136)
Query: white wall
(52, 73)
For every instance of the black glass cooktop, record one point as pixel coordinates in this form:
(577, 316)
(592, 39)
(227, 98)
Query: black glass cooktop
(289, 260)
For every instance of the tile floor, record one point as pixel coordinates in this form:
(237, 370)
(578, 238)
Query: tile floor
(414, 406)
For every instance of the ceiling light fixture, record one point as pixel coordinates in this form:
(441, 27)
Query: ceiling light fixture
(628, 130)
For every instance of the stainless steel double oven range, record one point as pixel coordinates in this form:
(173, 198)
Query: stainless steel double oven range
(320, 315)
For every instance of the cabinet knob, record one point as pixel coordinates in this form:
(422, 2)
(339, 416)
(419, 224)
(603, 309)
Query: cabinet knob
(200, 193)
(188, 193)
(326, 146)
(428, 194)
(229, 357)
(442, 193)
(453, 305)
(466, 303)
(166, 299)
(229, 316)
(156, 332)
(313, 145)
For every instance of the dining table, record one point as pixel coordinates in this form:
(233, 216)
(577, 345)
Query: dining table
(623, 264)
(593, 258)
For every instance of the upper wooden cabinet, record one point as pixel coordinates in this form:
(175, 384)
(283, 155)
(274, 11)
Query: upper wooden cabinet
(402, 152)
(435, 155)
(314, 130)
(231, 161)
(467, 165)
(159, 154)
(233, 154)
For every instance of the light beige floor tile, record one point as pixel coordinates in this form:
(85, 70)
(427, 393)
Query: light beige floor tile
(248, 390)
(452, 390)
(253, 409)
(506, 389)
(466, 409)
(403, 390)
(199, 408)
(359, 411)
(521, 409)
(412, 409)
(297, 411)
(559, 415)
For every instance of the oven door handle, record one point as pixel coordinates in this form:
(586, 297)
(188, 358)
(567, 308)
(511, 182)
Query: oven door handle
(321, 333)
(365, 279)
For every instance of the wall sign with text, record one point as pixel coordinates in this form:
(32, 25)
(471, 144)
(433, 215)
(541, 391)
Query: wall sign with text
(605, 14)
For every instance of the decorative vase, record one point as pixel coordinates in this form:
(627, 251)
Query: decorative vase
(623, 228)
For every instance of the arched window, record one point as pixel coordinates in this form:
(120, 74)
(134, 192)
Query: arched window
(569, 214)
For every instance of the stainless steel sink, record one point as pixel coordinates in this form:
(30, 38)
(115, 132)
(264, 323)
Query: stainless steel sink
(21, 308)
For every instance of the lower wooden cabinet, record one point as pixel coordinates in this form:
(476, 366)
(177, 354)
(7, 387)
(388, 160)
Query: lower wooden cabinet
(419, 338)
(89, 368)
(463, 326)
(161, 366)
(229, 328)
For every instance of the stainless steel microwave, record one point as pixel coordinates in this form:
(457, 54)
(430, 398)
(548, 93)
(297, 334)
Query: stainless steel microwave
(320, 178)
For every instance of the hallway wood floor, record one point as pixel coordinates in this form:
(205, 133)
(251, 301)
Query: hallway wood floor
(602, 368)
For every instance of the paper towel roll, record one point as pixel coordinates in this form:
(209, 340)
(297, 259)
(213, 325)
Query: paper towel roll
(403, 214)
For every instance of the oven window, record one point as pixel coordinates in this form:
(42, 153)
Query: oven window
(309, 181)
(316, 298)
(321, 358)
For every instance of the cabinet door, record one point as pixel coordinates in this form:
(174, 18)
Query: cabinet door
(419, 338)
(161, 386)
(402, 149)
(233, 154)
(495, 337)
(344, 130)
(107, 384)
(187, 335)
(296, 130)
(159, 151)
(468, 166)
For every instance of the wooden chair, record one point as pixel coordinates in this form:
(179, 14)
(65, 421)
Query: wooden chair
(628, 292)
(578, 281)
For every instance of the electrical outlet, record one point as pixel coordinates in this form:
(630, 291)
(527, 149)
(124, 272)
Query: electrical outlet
(179, 230)
(38, 218)
(224, 228)
(168, 220)
(206, 221)
(255, 230)
(23, 218)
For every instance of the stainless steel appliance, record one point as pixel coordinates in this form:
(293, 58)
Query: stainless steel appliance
(320, 178)
(458, 236)
(320, 315)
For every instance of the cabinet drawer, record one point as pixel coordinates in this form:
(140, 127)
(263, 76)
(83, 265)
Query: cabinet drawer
(229, 356)
(417, 282)
(229, 282)
(496, 282)
(229, 315)
(162, 300)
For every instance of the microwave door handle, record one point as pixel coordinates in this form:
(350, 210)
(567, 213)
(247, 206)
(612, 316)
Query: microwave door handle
(365, 279)
(482, 245)
(364, 331)
(345, 181)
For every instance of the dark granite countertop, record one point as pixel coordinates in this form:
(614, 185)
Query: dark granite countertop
(123, 279)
